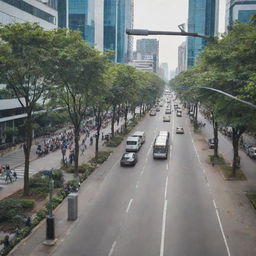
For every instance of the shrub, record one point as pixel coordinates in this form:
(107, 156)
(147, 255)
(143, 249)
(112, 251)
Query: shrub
(27, 204)
(69, 169)
(40, 191)
(58, 177)
(115, 141)
(86, 168)
(102, 157)
(9, 208)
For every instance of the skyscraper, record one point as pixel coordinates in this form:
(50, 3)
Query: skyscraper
(239, 10)
(148, 49)
(203, 19)
(83, 15)
(45, 14)
(182, 56)
(118, 16)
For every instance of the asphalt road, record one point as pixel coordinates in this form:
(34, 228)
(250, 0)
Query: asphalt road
(158, 207)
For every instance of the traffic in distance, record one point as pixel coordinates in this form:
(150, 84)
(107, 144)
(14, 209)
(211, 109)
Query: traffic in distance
(162, 141)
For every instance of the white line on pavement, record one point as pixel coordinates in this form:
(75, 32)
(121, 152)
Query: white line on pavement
(221, 228)
(166, 187)
(163, 229)
(167, 167)
(137, 185)
(216, 209)
(129, 205)
(112, 249)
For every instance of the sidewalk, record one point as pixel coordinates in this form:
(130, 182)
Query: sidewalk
(52, 160)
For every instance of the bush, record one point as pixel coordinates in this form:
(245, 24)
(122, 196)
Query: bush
(102, 157)
(9, 208)
(58, 177)
(86, 168)
(40, 191)
(115, 141)
(41, 214)
(27, 204)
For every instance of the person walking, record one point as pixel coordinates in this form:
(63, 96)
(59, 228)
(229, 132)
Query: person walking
(8, 174)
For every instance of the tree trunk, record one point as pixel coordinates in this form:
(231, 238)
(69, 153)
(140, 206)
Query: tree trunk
(216, 139)
(27, 147)
(113, 121)
(125, 118)
(196, 112)
(140, 109)
(133, 113)
(236, 134)
(98, 133)
(118, 115)
(77, 129)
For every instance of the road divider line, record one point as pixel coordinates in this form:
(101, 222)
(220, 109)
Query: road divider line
(215, 206)
(166, 187)
(137, 185)
(221, 228)
(163, 229)
(167, 167)
(112, 249)
(129, 205)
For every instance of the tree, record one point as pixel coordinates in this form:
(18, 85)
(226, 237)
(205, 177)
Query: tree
(24, 62)
(76, 69)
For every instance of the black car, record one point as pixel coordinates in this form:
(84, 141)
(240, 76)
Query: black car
(128, 159)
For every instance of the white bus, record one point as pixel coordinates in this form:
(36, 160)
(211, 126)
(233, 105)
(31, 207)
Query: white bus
(161, 147)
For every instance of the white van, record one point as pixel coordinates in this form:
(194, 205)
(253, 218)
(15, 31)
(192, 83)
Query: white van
(133, 144)
(141, 135)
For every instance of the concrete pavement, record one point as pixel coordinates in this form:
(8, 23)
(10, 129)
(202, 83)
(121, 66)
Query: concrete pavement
(121, 211)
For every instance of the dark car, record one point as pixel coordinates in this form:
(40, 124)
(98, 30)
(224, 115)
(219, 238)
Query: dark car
(211, 143)
(128, 159)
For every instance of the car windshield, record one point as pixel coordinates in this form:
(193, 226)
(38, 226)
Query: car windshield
(131, 142)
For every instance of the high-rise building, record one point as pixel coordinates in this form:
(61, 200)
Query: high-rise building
(85, 16)
(118, 16)
(182, 57)
(165, 71)
(41, 11)
(239, 10)
(148, 49)
(202, 19)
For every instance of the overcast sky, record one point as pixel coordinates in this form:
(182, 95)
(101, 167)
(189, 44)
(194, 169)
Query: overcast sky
(167, 15)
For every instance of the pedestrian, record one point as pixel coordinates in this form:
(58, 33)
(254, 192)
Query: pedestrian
(102, 136)
(83, 149)
(6, 241)
(8, 174)
(14, 175)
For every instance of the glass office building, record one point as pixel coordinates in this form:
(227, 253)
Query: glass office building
(202, 19)
(237, 10)
(13, 11)
(85, 16)
(118, 16)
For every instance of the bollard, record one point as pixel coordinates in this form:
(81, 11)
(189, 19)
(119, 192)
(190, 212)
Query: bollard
(72, 206)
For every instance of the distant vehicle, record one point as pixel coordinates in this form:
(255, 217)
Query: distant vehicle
(161, 146)
(133, 144)
(167, 118)
(211, 143)
(179, 130)
(252, 152)
(157, 109)
(175, 106)
(128, 159)
(152, 112)
(164, 133)
(179, 113)
(168, 111)
(141, 135)
(161, 104)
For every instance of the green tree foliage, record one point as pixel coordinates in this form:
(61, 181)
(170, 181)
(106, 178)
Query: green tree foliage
(227, 64)
(24, 62)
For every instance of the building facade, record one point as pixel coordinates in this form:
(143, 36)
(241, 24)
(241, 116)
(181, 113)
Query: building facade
(202, 19)
(45, 14)
(148, 49)
(182, 58)
(239, 10)
(85, 16)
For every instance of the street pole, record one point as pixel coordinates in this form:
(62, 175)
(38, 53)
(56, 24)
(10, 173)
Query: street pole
(50, 231)
(145, 32)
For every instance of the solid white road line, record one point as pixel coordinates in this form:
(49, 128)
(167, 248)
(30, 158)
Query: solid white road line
(216, 209)
(221, 228)
(167, 167)
(129, 205)
(166, 187)
(112, 249)
(163, 229)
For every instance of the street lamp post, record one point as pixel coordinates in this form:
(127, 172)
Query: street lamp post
(145, 32)
(50, 231)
